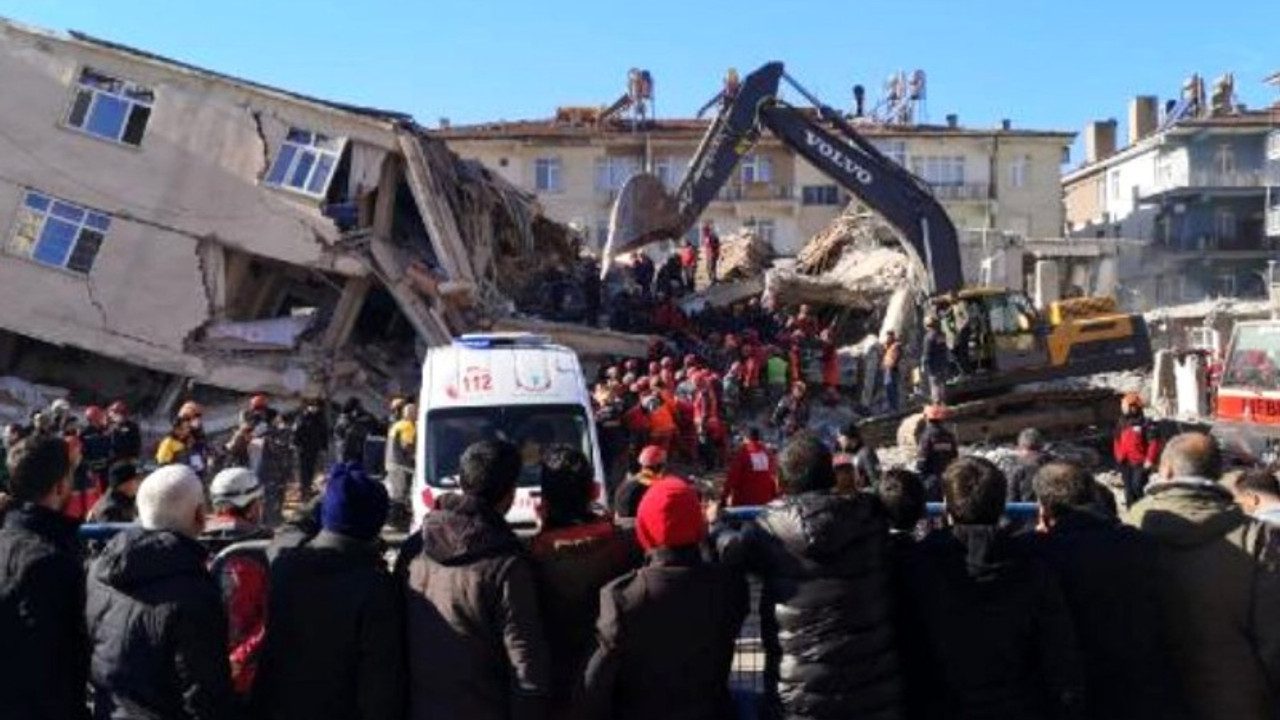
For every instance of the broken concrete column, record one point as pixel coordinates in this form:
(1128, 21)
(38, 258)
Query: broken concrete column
(1048, 283)
(899, 314)
(1108, 275)
(346, 312)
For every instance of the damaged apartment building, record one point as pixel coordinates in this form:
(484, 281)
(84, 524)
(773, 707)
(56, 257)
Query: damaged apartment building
(164, 224)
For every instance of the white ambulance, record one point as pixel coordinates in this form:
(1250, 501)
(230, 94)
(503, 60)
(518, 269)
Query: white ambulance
(517, 387)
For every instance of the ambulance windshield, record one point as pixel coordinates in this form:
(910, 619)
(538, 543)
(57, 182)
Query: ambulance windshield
(1254, 361)
(532, 428)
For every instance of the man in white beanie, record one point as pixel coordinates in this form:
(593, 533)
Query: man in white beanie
(155, 616)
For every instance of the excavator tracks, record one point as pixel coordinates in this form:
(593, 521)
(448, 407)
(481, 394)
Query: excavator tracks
(1060, 414)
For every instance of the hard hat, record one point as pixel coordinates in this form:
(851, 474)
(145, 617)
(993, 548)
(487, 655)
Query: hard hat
(258, 402)
(94, 415)
(190, 409)
(235, 486)
(118, 408)
(935, 412)
(60, 405)
(1131, 401)
(652, 456)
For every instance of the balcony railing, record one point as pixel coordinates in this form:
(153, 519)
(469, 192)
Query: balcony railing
(1234, 179)
(756, 192)
(963, 191)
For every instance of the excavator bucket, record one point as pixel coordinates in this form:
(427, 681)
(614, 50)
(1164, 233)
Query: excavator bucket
(643, 212)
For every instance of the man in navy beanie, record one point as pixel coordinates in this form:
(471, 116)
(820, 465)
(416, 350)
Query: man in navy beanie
(335, 615)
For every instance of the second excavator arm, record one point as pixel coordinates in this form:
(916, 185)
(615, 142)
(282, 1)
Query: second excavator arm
(902, 199)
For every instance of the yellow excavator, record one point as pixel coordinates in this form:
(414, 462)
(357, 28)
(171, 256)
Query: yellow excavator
(1074, 338)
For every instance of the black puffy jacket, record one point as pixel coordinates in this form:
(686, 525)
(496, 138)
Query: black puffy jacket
(996, 637)
(44, 653)
(334, 648)
(826, 620)
(477, 649)
(158, 630)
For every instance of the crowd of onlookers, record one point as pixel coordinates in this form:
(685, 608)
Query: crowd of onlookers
(1168, 612)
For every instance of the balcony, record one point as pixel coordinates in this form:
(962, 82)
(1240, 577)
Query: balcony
(964, 191)
(1273, 222)
(757, 192)
(1235, 179)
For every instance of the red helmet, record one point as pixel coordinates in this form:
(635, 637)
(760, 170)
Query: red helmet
(652, 456)
(258, 402)
(118, 408)
(94, 415)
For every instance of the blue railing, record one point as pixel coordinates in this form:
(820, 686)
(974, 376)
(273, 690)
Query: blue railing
(1014, 511)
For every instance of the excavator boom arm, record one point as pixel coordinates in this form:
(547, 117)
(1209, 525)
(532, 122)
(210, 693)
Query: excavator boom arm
(854, 163)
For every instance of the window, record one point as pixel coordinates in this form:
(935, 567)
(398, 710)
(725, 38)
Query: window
(306, 162)
(1018, 171)
(1226, 285)
(110, 108)
(820, 195)
(611, 172)
(1224, 159)
(895, 150)
(57, 233)
(670, 170)
(1225, 224)
(452, 430)
(765, 229)
(939, 169)
(546, 175)
(757, 169)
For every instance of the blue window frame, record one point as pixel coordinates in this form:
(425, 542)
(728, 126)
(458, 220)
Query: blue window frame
(110, 108)
(58, 233)
(306, 162)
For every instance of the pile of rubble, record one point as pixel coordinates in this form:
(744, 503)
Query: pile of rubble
(858, 230)
(743, 255)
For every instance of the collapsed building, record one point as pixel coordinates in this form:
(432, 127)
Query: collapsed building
(164, 223)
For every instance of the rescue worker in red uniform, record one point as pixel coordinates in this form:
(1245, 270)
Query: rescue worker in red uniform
(753, 476)
(1136, 448)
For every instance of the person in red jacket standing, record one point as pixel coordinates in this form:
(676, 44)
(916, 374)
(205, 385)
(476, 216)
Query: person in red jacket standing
(1136, 448)
(753, 478)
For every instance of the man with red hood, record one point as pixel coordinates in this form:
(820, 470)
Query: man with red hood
(753, 475)
(665, 638)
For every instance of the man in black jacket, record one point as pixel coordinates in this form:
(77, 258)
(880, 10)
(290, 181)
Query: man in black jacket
(665, 637)
(310, 435)
(938, 448)
(155, 615)
(334, 649)
(996, 640)
(826, 606)
(44, 651)
(1106, 573)
(475, 637)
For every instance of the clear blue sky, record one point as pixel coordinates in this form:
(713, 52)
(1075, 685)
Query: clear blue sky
(1045, 65)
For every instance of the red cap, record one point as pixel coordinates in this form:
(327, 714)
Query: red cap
(652, 456)
(94, 415)
(670, 516)
(258, 402)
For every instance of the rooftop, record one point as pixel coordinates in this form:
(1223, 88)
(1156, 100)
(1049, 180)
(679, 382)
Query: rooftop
(73, 36)
(586, 128)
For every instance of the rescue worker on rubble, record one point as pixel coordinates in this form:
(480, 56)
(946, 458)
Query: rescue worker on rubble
(792, 413)
(653, 465)
(126, 436)
(402, 439)
(1136, 447)
(938, 448)
(935, 361)
(711, 251)
(890, 365)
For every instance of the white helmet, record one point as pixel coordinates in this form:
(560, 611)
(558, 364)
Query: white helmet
(235, 486)
(60, 406)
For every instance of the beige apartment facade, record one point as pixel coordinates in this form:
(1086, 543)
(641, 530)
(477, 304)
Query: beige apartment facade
(1002, 179)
